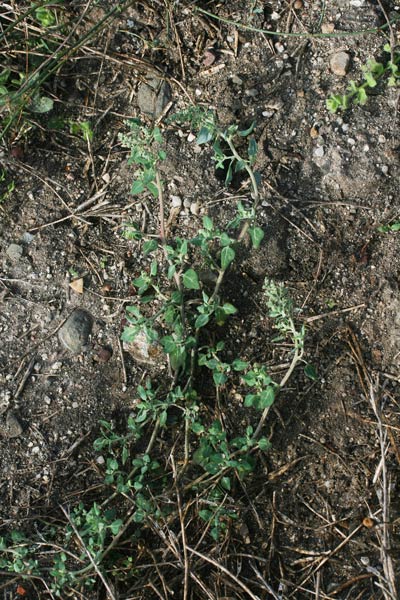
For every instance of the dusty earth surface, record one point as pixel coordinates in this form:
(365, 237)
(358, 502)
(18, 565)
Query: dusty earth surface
(316, 515)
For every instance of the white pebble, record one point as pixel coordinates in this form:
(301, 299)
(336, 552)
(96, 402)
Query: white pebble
(366, 148)
(319, 152)
(194, 208)
(385, 169)
(176, 202)
(351, 141)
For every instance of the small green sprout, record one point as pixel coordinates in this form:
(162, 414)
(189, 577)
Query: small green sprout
(373, 71)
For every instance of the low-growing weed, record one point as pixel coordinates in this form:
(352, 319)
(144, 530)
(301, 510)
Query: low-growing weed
(177, 445)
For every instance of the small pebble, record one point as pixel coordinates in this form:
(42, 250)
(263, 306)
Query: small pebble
(385, 169)
(15, 252)
(176, 202)
(191, 137)
(104, 355)
(252, 93)
(236, 80)
(351, 141)
(275, 16)
(75, 332)
(319, 152)
(327, 28)
(194, 208)
(339, 63)
(27, 237)
(13, 426)
(298, 4)
(279, 47)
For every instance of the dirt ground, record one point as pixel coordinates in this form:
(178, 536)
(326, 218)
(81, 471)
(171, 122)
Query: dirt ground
(319, 517)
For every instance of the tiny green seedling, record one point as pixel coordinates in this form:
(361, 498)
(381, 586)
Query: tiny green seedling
(8, 186)
(373, 72)
(391, 227)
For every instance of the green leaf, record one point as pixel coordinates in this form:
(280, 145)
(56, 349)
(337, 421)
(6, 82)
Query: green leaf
(370, 79)
(150, 246)
(205, 514)
(252, 150)
(168, 343)
(45, 16)
(267, 397)
(227, 256)
(256, 235)
(239, 365)
(205, 135)
(311, 372)
(201, 321)
(247, 132)
(229, 309)
(208, 223)
(250, 399)
(116, 526)
(219, 378)
(137, 187)
(264, 443)
(171, 271)
(41, 104)
(226, 483)
(4, 75)
(197, 428)
(362, 97)
(153, 189)
(190, 280)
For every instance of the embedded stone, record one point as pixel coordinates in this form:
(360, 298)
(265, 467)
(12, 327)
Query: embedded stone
(74, 334)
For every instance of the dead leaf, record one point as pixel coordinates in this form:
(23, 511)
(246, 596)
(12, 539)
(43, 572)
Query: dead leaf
(77, 285)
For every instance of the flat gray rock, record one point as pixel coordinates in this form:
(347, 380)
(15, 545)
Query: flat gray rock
(15, 251)
(10, 427)
(74, 334)
(153, 96)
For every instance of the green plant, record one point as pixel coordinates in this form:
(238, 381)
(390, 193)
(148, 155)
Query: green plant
(82, 128)
(373, 72)
(391, 227)
(176, 448)
(141, 141)
(8, 185)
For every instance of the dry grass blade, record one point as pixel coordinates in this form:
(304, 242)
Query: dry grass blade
(383, 493)
(224, 570)
(90, 557)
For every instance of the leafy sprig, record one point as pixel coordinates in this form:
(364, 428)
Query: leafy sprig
(373, 71)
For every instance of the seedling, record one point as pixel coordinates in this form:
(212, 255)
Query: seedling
(392, 227)
(373, 72)
(8, 186)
